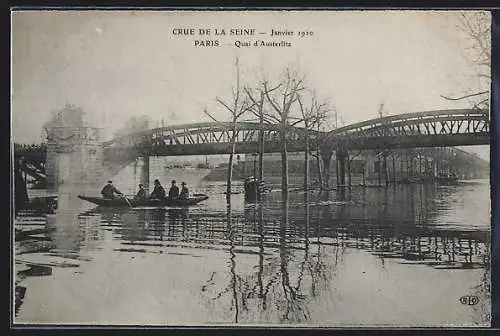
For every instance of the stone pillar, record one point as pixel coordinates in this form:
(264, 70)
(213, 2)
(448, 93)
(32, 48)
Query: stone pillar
(341, 157)
(74, 149)
(326, 158)
(74, 160)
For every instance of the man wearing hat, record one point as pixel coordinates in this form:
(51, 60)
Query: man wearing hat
(184, 191)
(173, 193)
(158, 191)
(109, 190)
(141, 194)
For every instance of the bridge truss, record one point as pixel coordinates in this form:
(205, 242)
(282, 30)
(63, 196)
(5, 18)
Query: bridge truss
(210, 138)
(422, 129)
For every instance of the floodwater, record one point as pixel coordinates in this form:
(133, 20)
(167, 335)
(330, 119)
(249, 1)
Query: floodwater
(400, 256)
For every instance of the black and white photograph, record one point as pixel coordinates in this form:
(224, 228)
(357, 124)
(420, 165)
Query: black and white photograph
(275, 168)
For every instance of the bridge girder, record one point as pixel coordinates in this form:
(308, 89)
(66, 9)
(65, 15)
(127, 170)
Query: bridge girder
(412, 119)
(421, 129)
(430, 126)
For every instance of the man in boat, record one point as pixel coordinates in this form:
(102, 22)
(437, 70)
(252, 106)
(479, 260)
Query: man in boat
(158, 191)
(184, 192)
(141, 194)
(173, 193)
(109, 191)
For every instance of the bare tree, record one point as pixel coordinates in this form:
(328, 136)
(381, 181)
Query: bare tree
(258, 111)
(477, 26)
(313, 114)
(282, 99)
(350, 159)
(238, 107)
(326, 124)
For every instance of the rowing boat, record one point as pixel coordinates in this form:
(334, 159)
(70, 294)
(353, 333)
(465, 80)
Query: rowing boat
(123, 202)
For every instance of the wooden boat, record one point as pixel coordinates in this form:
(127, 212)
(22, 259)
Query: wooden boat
(130, 202)
(447, 179)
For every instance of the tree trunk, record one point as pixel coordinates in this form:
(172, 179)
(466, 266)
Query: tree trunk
(284, 166)
(261, 257)
(261, 146)
(393, 169)
(326, 166)
(306, 162)
(230, 168)
(320, 172)
(364, 174)
(349, 171)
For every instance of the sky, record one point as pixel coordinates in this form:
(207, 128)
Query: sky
(119, 64)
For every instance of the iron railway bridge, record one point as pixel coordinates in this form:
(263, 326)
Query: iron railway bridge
(441, 128)
(412, 130)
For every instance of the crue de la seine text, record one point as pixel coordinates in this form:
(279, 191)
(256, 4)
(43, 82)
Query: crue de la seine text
(246, 37)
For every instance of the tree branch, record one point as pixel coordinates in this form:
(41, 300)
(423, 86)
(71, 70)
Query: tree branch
(466, 96)
(209, 115)
(225, 105)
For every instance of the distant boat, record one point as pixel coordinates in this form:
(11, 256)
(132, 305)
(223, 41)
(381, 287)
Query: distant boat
(446, 179)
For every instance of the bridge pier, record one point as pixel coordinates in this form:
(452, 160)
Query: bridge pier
(74, 150)
(386, 168)
(340, 157)
(326, 157)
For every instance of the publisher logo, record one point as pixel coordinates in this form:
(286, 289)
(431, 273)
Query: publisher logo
(470, 300)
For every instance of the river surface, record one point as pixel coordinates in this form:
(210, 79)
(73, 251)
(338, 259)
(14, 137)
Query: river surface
(400, 256)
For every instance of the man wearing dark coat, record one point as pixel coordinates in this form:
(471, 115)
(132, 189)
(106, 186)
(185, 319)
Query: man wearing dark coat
(173, 193)
(184, 191)
(141, 194)
(109, 190)
(158, 191)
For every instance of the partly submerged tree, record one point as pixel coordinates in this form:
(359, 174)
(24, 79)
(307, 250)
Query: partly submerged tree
(324, 124)
(258, 111)
(313, 113)
(237, 108)
(282, 98)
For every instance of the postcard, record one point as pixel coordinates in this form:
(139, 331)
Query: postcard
(277, 168)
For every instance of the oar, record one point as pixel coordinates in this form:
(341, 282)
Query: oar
(126, 200)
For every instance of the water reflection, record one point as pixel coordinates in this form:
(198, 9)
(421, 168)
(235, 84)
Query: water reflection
(283, 261)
